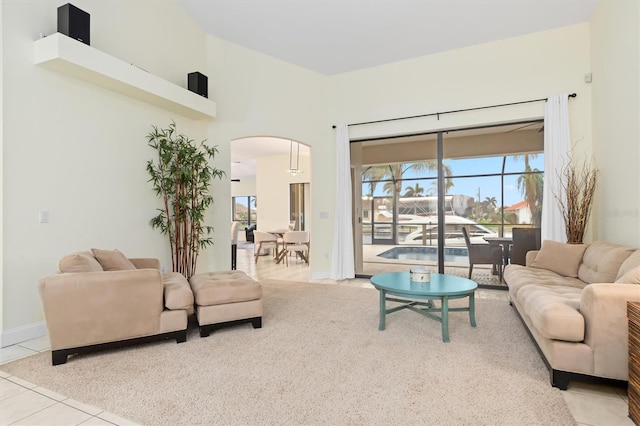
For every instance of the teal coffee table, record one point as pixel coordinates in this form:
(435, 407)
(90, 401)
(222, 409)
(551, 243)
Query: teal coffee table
(442, 287)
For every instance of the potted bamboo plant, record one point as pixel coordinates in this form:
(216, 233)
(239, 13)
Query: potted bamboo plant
(578, 182)
(181, 176)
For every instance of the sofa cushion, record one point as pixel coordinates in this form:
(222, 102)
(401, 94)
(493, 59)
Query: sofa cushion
(632, 262)
(177, 292)
(79, 262)
(554, 311)
(518, 276)
(560, 258)
(112, 260)
(601, 262)
(223, 287)
(631, 277)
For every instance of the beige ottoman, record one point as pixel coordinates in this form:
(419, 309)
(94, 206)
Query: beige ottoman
(226, 298)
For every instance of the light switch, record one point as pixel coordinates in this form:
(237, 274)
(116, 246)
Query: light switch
(44, 216)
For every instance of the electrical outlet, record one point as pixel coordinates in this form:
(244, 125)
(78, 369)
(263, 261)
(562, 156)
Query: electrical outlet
(163, 269)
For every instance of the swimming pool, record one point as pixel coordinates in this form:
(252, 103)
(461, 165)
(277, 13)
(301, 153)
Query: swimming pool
(451, 254)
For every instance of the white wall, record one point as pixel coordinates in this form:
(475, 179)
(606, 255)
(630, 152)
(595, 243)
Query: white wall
(261, 96)
(517, 69)
(273, 190)
(533, 66)
(615, 44)
(245, 188)
(78, 150)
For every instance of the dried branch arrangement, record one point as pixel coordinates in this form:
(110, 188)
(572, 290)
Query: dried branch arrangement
(578, 182)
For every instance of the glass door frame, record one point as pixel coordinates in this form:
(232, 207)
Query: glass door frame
(441, 184)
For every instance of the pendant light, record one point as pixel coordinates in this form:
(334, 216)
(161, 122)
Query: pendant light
(294, 167)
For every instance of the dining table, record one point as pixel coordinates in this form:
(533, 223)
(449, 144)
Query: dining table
(505, 242)
(281, 253)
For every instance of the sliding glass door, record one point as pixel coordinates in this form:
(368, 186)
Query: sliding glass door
(414, 206)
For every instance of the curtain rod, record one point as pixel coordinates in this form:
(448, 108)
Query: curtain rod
(438, 114)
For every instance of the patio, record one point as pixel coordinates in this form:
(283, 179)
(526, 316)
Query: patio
(374, 264)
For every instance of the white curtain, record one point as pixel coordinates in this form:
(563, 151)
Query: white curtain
(557, 152)
(342, 263)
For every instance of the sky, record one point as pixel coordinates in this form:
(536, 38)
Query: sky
(488, 186)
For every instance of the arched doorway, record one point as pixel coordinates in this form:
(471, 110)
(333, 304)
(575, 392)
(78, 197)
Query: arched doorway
(271, 183)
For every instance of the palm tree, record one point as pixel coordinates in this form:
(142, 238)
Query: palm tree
(394, 173)
(490, 202)
(531, 184)
(372, 175)
(489, 206)
(413, 191)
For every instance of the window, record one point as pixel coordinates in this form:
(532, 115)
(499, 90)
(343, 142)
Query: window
(245, 210)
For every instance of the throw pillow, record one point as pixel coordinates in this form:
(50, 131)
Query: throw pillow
(79, 262)
(112, 260)
(631, 277)
(563, 259)
(629, 264)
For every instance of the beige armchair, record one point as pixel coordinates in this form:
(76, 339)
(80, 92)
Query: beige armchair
(87, 308)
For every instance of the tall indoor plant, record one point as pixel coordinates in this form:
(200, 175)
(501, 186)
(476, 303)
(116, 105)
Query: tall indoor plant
(181, 176)
(578, 184)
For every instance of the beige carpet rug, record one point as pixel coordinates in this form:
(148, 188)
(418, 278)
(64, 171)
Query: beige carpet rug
(320, 359)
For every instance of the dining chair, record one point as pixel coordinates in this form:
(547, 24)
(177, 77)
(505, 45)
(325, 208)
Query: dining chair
(264, 240)
(296, 242)
(235, 226)
(483, 254)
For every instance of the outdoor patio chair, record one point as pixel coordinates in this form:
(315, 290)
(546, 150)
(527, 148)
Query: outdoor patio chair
(483, 254)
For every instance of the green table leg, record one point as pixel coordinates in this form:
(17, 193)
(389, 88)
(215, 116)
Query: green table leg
(472, 310)
(445, 319)
(383, 309)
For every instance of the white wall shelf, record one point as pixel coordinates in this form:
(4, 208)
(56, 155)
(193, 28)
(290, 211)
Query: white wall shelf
(69, 56)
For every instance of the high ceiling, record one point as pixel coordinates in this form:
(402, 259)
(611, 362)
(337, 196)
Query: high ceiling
(336, 36)
(244, 153)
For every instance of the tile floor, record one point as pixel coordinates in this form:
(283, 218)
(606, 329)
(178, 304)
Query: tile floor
(24, 403)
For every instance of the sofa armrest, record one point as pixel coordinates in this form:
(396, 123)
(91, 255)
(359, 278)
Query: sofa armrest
(177, 292)
(530, 257)
(604, 307)
(87, 308)
(146, 263)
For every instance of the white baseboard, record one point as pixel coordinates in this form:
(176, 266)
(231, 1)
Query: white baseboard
(22, 334)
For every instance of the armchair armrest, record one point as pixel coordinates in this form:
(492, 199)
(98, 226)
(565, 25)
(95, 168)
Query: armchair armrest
(146, 263)
(87, 308)
(604, 307)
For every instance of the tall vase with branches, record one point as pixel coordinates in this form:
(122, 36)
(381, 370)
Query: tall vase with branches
(181, 177)
(578, 185)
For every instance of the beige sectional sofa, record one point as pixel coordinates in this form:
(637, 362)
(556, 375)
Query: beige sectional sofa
(573, 301)
(101, 299)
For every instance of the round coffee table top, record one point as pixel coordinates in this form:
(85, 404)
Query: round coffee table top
(440, 285)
